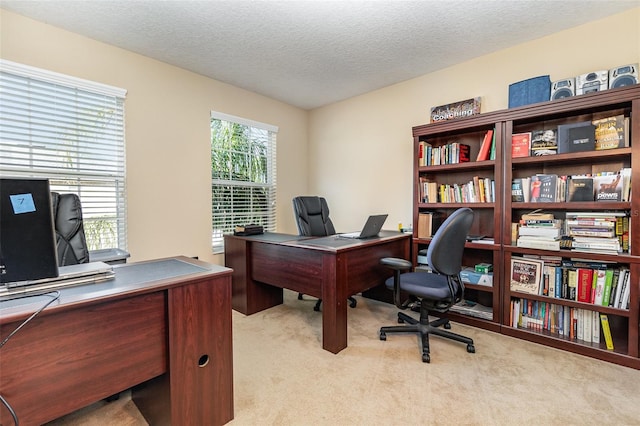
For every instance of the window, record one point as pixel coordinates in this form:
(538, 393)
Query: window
(70, 131)
(243, 175)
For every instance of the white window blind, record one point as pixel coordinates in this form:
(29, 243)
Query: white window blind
(70, 131)
(243, 171)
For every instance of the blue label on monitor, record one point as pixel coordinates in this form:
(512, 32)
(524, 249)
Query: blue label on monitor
(22, 203)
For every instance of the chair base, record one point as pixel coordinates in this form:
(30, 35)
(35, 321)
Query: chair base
(352, 302)
(424, 327)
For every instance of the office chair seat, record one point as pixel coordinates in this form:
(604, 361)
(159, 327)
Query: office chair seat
(414, 283)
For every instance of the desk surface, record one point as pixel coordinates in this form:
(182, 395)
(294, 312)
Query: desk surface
(129, 279)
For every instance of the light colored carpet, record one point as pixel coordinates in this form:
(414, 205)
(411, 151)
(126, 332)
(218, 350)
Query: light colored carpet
(283, 377)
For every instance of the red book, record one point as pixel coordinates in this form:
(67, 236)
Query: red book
(585, 283)
(483, 154)
(520, 144)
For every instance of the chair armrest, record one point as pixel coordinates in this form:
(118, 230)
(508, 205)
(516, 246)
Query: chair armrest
(396, 263)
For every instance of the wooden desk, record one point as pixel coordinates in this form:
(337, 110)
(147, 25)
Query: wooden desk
(327, 268)
(167, 319)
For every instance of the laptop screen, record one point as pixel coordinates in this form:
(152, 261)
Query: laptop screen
(27, 235)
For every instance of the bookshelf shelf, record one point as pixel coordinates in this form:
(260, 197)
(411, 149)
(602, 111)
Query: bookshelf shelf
(494, 219)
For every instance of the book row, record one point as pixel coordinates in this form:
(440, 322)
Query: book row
(570, 323)
(452, 153)
(596, 283)
(595, 135)
(477, 190)
(455, 152)
(551, 188)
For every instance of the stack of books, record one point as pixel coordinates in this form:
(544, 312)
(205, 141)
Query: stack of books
(544, 234)
(594, 232)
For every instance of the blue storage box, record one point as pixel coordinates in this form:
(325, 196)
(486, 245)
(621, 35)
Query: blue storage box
(531, 91)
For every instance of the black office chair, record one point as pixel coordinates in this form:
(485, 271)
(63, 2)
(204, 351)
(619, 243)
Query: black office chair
(70, 239)
(436, 291)
(312, 218)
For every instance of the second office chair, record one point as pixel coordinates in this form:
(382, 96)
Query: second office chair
(312, 218)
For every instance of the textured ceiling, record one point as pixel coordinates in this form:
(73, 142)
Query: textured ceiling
(313, 53)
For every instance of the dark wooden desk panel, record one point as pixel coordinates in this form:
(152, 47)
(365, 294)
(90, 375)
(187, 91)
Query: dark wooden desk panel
(327, 268)
(37, 366)
(155, 317)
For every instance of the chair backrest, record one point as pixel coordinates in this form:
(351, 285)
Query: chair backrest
(312, 216)
(447, 245)
(70, 239)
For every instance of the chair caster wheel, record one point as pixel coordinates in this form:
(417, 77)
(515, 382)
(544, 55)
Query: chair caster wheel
(426, 358)
(353, 303)
(447, 326)
(316, 308)
(471, 349)
(383, 335)
(300, 296)
(400, 320)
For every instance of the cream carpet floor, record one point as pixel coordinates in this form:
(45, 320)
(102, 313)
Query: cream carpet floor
(283, 377)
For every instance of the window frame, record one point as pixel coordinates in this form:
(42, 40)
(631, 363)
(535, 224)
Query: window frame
(50, 135)
(267, 216)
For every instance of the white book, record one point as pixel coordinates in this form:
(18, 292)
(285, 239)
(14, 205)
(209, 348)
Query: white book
(587, 326)
(595, 321)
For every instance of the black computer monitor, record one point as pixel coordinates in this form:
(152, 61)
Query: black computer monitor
(27, 235)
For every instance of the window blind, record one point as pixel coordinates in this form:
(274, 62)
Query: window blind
(243, 171)
(70, 131)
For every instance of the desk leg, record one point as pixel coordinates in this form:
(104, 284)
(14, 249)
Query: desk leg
(198, 388)
(334, 303)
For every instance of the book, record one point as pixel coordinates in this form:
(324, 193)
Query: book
(579, 189)
(526, 275)
(585, 280)
(576, 137)
(483, 153)
(246, 230)
(520, 144)
(539, 231)
(521, 190)
(610, 133)
(608, 188)
(428, 223)
(540, 243)
(543, 142)
(544, 188)
(600, 283)
(492, 151)
(606, 331)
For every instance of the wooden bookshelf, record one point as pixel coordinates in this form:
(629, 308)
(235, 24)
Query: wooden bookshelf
(494, 218)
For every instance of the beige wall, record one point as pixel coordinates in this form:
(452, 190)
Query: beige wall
(167, 134)
(167, 112)
(376, 127)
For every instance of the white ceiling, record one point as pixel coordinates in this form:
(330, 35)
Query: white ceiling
(313, 53)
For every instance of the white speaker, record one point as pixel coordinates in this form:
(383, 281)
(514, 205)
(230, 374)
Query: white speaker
(595, 81)
(563, 88)
(623, 76)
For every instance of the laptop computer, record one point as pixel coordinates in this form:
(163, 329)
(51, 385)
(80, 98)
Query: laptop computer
(371, 228)
(70, 275)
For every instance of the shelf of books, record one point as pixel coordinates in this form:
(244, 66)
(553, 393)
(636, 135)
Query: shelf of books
(551, 185)
(570, 262)
(455, 166)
